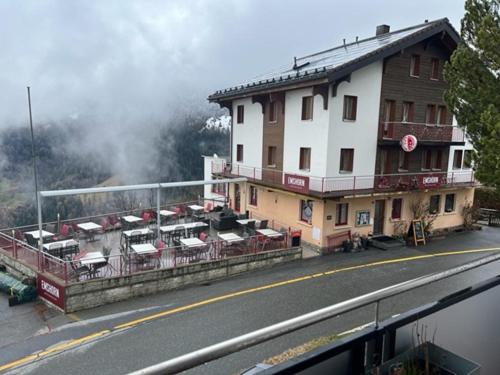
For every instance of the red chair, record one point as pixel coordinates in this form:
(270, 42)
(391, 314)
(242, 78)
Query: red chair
(208, 207)
(203, 236)
(105, 225)
(146, 217)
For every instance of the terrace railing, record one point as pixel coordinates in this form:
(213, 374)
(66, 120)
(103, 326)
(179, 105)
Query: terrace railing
(127, 263)
(394, 131)
(351, 183)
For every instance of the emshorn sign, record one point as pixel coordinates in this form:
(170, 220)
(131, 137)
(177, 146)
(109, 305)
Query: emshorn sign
(297, 183)
(50, 291)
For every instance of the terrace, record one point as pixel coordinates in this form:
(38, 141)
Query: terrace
(392, 132)
(323, 187)
(125, 243)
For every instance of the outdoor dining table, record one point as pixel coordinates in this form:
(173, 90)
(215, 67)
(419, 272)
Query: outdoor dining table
(246, 221)
(143, 248)
(195, 208)
(90, 229)
(232, 243)
(269, 233)
(36, 234)
(168, 229)
(167, 213)
(93, 260)
(128, 233)
(193, 248)
(230, 237)
(131, 219)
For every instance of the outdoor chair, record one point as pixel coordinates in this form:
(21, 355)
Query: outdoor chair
(262, 242)
(146, 218)
(208, 207)
(242, 216)
(79, 270)
(250, 227)
(263, 224)
(51, 228)
(55, 250)
(106, 252)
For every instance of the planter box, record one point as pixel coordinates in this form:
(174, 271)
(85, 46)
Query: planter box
(447, 362)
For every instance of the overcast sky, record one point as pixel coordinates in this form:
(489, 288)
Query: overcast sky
(143, 60)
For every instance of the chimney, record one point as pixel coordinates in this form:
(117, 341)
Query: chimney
(382, 29)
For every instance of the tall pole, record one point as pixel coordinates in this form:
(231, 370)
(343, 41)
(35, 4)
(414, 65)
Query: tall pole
(33, 156)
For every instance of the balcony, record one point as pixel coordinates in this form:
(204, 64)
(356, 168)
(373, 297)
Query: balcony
(432, 133)
(346, 185)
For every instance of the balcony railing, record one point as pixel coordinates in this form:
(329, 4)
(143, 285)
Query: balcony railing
(349, 184)
(394, 131)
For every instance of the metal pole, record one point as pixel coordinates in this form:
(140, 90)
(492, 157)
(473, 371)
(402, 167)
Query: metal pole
(33, 147)
(377, 306)
(158, 197)
(40, 240)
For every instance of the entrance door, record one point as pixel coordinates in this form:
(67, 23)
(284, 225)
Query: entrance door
(237, 197)
(379, 216)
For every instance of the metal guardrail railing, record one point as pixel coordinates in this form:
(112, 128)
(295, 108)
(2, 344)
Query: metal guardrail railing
(222, 349)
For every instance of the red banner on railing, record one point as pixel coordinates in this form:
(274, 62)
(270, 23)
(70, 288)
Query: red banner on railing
(431, 181)
(50, 291)
(297, 183)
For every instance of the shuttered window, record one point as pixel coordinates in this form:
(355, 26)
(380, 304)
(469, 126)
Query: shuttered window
(350, 107)
(346, 159)
(404, 160)
(273, 114)
(396, 208)
(305, 159)
(430, 114)
(341, 215)
(435, 69)
(240, 114)
(457, 159)
(408, 111)
(239, 153)
(307, 108)
(441, 115)
(271, 156)
(415, 66)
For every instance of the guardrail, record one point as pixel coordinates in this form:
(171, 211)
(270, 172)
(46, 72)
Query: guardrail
(254, 338)
(351, 184)
(394, 131)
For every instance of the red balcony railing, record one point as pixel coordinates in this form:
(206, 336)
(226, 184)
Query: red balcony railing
(350, 183)
(394, 131)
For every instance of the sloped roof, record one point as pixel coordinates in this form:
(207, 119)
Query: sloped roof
(340, 61)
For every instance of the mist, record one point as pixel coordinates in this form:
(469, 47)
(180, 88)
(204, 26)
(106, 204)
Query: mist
(127, 70)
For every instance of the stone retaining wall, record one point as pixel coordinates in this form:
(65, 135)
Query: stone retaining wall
(92, 293)
(16, 267)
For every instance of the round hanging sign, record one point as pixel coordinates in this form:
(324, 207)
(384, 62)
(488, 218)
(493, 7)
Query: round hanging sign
(408, 143)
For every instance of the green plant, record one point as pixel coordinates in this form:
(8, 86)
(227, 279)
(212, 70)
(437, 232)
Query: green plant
(470, 213)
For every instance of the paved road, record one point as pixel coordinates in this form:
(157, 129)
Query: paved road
(189, 325)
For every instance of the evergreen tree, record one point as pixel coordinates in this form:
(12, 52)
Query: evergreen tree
(474, 86)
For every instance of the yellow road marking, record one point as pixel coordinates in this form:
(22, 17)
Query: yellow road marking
(57, 348)
(223, 297)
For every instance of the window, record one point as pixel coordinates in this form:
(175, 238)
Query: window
(415, 66)
(307, 107)
(449, 203)
(467, 159)
(408, 111)
(427, 159)
(434, 69)
(341, 214)
(239, 153)
(457, 159)
(350, 107)
(404, 160)
(396, 208)
(441, 115)
(434, 204)
(273, 114)
(430, 114)
(305, 159)
(253, 195)
(240, 114)
(306, 211)
(271, 156)
(346, 159)
(219, 189)
(438, 160)
(389, 111)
